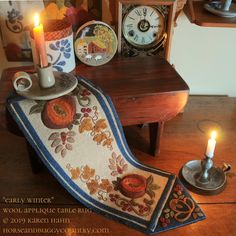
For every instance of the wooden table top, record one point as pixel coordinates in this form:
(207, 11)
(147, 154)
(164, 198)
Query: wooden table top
(134, 76)
(135, 85)
(184, 139)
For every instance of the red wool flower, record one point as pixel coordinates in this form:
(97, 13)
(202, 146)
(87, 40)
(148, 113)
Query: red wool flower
(178, 188)
(86, 111)
(85, 93)
(164, 222)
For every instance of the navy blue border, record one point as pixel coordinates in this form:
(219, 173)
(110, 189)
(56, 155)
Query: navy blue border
(61, 175)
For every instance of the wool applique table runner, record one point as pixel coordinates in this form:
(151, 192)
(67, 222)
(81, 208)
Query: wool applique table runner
(80, 139)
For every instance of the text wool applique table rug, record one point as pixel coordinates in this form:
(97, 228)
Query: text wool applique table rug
(80, 139)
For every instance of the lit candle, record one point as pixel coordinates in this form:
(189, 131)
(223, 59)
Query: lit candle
(40, 42)
(211, 145)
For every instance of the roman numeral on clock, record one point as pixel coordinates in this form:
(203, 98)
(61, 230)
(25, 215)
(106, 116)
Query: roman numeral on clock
(138, 12)
(144, 12)
(129, 25)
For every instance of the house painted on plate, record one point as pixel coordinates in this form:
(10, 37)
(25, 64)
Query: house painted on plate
(90, 45)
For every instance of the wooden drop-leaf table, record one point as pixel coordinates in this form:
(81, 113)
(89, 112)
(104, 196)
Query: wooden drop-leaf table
(143, 90)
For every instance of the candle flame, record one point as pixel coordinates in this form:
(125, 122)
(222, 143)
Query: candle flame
(36, 20)
(213, 134)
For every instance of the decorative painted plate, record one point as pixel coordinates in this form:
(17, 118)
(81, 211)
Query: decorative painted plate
(95, 43)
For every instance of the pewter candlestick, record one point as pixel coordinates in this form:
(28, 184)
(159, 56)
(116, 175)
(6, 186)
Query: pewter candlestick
(206, 165)
(221, 8)
(227, 4)
(203, 176)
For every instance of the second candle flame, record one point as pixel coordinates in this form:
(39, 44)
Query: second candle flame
(213, 135)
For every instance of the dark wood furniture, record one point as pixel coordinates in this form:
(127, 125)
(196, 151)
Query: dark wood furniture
(143, 90)
(184, 139)
(199, 16)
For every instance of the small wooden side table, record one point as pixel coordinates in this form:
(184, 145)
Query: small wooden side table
(143, 90)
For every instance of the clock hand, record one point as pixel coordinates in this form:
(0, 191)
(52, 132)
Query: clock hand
(155, 26)
(144, 13)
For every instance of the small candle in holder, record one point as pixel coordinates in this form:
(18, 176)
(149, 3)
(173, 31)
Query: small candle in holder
(40, 42)
(211, 145)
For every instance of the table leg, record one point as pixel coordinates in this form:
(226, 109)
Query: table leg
(155, 133)
(36, 163)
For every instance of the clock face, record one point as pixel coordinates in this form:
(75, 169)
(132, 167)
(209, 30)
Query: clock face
(143, 26)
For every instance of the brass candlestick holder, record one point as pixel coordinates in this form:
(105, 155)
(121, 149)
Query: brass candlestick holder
(203, 177)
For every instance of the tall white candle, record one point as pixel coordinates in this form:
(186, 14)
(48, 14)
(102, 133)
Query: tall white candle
(40, 42)
(211, 145)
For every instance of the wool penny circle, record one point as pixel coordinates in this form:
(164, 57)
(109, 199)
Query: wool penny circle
(95, 43)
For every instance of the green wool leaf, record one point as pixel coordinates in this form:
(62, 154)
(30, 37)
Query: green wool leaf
(78, 115)
(149, 180)
(167, 215)
(36, 109)
(148, 202)
(76, 122)
(172, 214)
(175, 195)
(167, 210)
(200, 214)
(70, 127)
(150, 193)
(154, 187)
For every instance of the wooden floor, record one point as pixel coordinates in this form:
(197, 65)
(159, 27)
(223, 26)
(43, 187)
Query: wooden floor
(185, 138)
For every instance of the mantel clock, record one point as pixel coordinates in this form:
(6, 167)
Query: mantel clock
(145, 27)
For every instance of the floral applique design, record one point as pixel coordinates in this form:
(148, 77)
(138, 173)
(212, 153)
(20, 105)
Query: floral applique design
(94, 183)
(97, 129)
(62, 142)
(117, 164)
(129, 205)
(132, 187)
(58, 113)
(14, 22)
(64, 48)
(180, 209)
(90, 122)
(83, 96)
